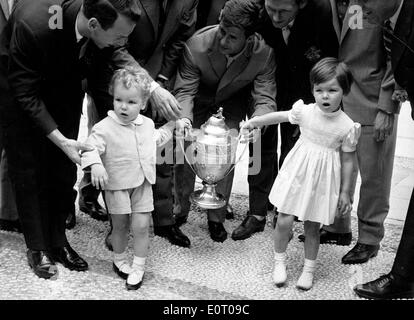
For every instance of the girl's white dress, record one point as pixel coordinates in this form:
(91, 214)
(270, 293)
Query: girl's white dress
(307, 186)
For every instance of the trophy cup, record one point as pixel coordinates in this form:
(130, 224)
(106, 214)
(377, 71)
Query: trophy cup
(213, 151)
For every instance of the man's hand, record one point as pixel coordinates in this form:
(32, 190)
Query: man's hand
(383, 125)
(164, 104)
(72, 148)
(99, 177)
(344, 203)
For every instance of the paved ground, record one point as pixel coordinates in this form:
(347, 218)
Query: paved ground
(233, 270)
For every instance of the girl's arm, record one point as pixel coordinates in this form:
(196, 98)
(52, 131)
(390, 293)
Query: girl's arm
(348, 166)
(266, 119)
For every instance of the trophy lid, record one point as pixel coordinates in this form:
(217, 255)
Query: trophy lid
(215, 125)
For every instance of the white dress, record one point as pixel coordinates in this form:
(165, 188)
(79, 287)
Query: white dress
(307, 186)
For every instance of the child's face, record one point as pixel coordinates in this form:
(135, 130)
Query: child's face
(127, 102)
(328, 95)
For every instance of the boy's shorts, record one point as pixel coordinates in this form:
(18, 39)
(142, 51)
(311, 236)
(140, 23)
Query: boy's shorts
(135, 200)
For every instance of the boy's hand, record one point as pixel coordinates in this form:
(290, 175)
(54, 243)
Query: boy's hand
(99, 177)
(183, 126)
(344, 203)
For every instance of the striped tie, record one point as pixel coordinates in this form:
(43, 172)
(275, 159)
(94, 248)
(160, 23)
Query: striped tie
(388, 35)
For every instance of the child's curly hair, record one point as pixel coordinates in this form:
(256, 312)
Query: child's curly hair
(132, 76)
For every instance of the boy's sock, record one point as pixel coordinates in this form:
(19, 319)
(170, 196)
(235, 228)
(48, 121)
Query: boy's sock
(306, 278)
(279, 271)
(137, 272)
(120, 261)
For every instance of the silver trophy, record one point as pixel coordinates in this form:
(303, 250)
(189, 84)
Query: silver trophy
(212, 156)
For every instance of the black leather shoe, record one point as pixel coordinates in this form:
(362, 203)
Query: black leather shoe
(41, 263)
(71, 221)
(93, 209)
(327, 237)
(69, 258)
(108, 243)
(180, 220)
(249, 226)
(385, 287)
(229, 212)
(10, 225)
(173, 234)
(360, 253)
(217, 231)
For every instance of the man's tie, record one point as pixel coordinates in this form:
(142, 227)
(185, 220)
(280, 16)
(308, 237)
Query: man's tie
(388, 36)
(286, 33)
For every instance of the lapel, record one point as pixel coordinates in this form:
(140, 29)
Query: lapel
(335, 19)
(174, 13)
(217, 60)
(152, 11)
(402, 30)
(237, 67)
(345, 23)
(4, 5)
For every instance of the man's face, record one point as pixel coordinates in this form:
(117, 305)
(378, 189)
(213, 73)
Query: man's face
(117, 35)
(231, 39)
(378, 11)
(281, 12)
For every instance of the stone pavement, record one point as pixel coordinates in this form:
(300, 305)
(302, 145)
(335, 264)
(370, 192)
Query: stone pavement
(233, 270)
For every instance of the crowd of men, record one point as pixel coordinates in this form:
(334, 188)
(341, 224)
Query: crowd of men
(53, 52)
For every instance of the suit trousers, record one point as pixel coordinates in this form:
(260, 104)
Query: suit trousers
(403, 267)
(8, 210)
(42, 177)
(375, 163)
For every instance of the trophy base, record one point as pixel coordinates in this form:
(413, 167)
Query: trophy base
(208, 198)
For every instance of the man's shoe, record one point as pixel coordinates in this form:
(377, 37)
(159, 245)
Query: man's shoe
(69, 258)
(249, 226)
(71, 221)
(173, 234)
(360, 253)
(229, 212)
(327, 237)
(385, 287)
(10, 225)
(43, 266)
(217, 231)
(108, 242)
(180, 220)
(93, 209)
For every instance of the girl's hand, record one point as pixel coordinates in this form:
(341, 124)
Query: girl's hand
(248, 132)
(99, 177)
(344, 203)
(183, 126)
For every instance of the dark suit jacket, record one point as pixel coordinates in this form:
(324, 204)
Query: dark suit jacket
(42, 67)
(204, 82)
(312, 37)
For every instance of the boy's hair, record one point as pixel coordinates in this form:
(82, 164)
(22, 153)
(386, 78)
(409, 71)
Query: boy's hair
(107, 11)
(243, 14)
(131, 76)
(331, 68)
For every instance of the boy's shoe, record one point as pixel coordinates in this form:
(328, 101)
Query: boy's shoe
(123, 271)
(279, 274)
(305, 281)
(134, 280)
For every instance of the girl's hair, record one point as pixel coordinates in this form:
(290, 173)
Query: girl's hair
(331, 68)
(132, 76)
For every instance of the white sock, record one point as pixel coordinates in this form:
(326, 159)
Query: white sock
(138, 263)
(120, 260)
(279, 271)
(306, 278)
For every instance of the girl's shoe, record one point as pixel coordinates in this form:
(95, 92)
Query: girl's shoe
(305, 281)
(279, 274)
(123, 271)
(134, 280)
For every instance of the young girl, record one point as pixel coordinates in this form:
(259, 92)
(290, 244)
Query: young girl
(123, 164)
(314, 181)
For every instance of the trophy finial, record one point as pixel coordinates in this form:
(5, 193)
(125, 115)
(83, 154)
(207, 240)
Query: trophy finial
(219, 113)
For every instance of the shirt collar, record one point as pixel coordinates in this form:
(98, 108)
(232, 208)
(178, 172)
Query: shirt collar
(289, 26)
(232, 58)
(78, 35)
(138, 120)
(394, 18)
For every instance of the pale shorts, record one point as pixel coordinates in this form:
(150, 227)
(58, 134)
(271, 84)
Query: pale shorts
(127, 201)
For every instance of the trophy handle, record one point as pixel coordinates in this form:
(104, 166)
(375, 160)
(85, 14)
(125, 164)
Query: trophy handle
(240, 157)
(181, 143)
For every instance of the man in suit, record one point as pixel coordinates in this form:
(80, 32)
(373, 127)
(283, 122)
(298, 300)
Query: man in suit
(156, 44)
(230, 66)
(369, 103)
(399, 283)
(9, 219)
(208, 12)
(300, 35)
(42, 62)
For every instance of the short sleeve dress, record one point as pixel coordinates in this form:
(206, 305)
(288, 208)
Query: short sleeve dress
(307, 186)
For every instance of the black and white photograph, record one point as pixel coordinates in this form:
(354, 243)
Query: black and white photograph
(201, 157)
